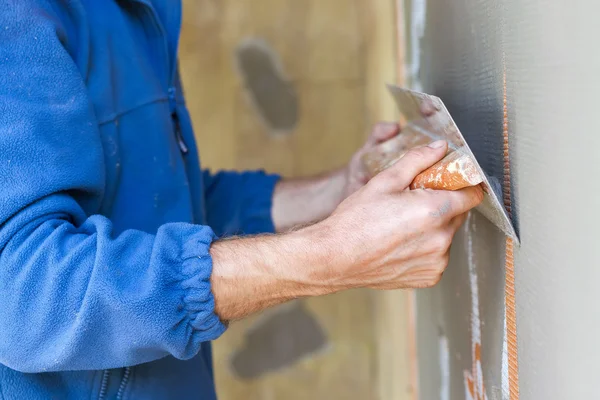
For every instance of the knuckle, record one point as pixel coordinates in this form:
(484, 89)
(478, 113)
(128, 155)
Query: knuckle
(390, 173)
(419, 153)
(432, 281)
(445, 241)
(392, 177)
(421, 219)
(439, 269)
(442, 264)
(432, 207)
(382, 181)
(479, 194)
(438, 246)
(435, 213)
(435, 280)
(423, 285)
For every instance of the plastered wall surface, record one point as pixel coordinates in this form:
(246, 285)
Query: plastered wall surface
(548, 54)
(553, 113)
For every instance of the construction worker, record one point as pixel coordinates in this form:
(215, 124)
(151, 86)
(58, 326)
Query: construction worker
(113, 278)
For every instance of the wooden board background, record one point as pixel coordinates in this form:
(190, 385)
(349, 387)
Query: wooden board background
(338, 54)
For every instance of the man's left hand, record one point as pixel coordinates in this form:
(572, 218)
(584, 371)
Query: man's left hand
(306, 200)
(356, 173)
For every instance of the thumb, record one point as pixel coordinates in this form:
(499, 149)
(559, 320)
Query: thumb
(414, 162)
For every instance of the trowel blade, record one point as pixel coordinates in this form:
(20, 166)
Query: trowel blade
(440, 125)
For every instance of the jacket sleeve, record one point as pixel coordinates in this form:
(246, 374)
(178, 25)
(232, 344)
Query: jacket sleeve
(75, 295)
(239, 202)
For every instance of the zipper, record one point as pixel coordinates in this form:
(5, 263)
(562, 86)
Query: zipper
(124, 382)
(172, 89)
(104, 384)
(171, 61)
(180, 140)
(122, 385)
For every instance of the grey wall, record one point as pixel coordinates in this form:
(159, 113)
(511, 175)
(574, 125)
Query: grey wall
(549, 52)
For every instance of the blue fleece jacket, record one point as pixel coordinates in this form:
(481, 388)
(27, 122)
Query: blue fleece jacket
(105, 215)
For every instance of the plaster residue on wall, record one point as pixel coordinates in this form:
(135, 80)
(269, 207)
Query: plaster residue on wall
(474, 387)
(453, 50)
(270, 92)
(417, 12)
(281, 338)
(444, 353)
(505, 375)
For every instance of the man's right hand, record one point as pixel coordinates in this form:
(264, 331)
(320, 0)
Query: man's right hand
(386, 236)
(383, 236)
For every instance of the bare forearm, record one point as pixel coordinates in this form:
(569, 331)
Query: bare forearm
(251, 274)
(306, 200)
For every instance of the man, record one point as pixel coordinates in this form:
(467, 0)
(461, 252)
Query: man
(112, 278)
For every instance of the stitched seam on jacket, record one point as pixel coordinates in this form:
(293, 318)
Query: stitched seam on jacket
(114, 116)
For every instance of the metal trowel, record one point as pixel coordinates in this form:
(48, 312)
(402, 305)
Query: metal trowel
(458, 169)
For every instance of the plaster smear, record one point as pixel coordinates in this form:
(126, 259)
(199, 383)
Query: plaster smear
(444, 368)
(474, 388)
(505, 375)
(417, 31)
(270, 92)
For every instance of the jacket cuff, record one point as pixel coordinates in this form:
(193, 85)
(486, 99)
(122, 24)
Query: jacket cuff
(258, 217)
(198, 299)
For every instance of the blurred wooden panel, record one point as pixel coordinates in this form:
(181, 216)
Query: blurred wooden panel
(256, 147)
(324, 47)
(334, 41)
(345, 368)
(209, 82)
(378, 19)
(281, 22)
(332, 126)
(383, 55)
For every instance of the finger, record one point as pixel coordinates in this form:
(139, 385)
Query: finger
(414, 162)
(427, 108)
(464, 200)
(383, 131)
(456, 222)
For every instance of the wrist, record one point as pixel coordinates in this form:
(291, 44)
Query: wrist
(251, 274)
(308, 200)
(323, 271)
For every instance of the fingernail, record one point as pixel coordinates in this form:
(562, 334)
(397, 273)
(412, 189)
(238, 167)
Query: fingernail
(437, 144)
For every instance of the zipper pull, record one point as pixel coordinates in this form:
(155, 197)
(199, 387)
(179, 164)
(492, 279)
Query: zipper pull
(173, 106)
(180, 141)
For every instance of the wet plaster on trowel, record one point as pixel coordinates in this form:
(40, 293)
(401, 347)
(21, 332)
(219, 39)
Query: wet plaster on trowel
(271, 94)
(278, 340)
